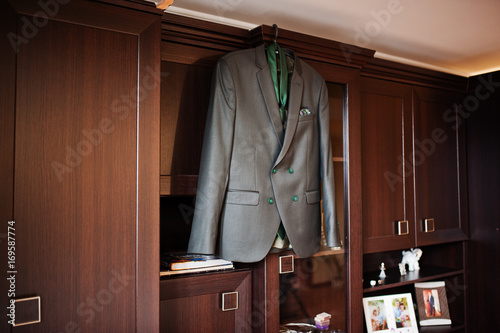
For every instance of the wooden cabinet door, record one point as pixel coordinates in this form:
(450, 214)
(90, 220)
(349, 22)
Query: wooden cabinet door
(86, 167)
(386, 176)
(210, 302)
(439, 166)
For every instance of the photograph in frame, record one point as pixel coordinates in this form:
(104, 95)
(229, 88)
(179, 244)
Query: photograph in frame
(390, 313)
(432, 303)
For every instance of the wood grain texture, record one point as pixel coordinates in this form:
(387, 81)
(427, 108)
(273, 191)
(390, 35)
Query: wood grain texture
(387, 176)
(87, 201)
(483, 163)
(439, 166)
(7, 126)
(194, 303)
(71, 148)
(184, 104)
(148, 199)
(313, 48)
(403, 73)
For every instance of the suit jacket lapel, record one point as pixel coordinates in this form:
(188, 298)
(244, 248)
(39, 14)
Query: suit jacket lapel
(295, 99)
(267, 89)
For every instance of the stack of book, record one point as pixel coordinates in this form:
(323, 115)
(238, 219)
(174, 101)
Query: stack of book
(185, 263)
(322, 320)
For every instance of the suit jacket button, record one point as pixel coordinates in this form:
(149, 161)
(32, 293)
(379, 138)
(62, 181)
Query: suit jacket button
(295, 198)
(290, 170)
(270, 201)
(274, 171)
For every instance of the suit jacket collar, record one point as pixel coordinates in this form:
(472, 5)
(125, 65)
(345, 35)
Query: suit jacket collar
(261, 59)
(294, 102)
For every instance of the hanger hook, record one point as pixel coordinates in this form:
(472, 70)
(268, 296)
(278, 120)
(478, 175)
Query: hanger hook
(275, 26)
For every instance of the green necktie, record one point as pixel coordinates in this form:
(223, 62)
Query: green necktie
(280, 81)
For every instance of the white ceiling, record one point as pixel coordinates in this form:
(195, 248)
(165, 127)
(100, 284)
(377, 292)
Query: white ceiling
(455, 36)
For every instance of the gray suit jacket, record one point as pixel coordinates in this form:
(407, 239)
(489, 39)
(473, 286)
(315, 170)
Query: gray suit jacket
(253, 174)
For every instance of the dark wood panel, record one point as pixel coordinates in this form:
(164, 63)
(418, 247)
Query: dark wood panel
(313, 48)
(148, 219)
(265, 312)
(95, 14)
(184, 104)
(439, 166)
(7, 125)
(353, 186)
(386, 176)
(75, 179)
(483, 164)
(145, 6)
(194, 303)
(178, 185)
(203, 34)
(191, 41)
(195, 314)
(189, 55)
(394, 71)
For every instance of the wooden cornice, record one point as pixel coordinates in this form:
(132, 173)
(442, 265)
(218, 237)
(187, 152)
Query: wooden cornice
(29, 7)
(394, 71)
(141, 5)
(312, 47)
(218, 37)
(190, 40)
(194, 32)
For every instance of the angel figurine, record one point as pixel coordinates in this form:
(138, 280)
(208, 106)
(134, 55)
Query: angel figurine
(382, 271)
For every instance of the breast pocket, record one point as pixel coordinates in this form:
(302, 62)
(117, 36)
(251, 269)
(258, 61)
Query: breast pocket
(306, 117)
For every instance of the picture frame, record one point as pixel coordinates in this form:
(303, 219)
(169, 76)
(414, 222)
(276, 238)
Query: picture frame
(390, 313)
(432, 303)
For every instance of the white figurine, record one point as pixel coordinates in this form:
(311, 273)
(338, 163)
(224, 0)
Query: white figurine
(411, 258)
(402, 269)
(382, 271)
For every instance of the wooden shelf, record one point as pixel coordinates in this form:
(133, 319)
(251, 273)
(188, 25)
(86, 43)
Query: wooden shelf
(394, 278)
(329, 252)
(204, 275)
(455, 327)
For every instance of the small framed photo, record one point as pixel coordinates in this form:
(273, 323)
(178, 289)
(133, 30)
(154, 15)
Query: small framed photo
(390, 313)
(432, 303)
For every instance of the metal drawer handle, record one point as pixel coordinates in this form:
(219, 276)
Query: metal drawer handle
(286, 264)
(31, 311)
(429, 225)
(230, 301)
(403, 228)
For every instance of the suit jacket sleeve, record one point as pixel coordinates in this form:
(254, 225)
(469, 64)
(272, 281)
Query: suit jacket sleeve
(215, 161)
(326, 171)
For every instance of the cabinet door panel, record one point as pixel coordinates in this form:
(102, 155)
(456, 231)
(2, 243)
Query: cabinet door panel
(386, 174)
(194, 303)
(75, 178)
(438, 166)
